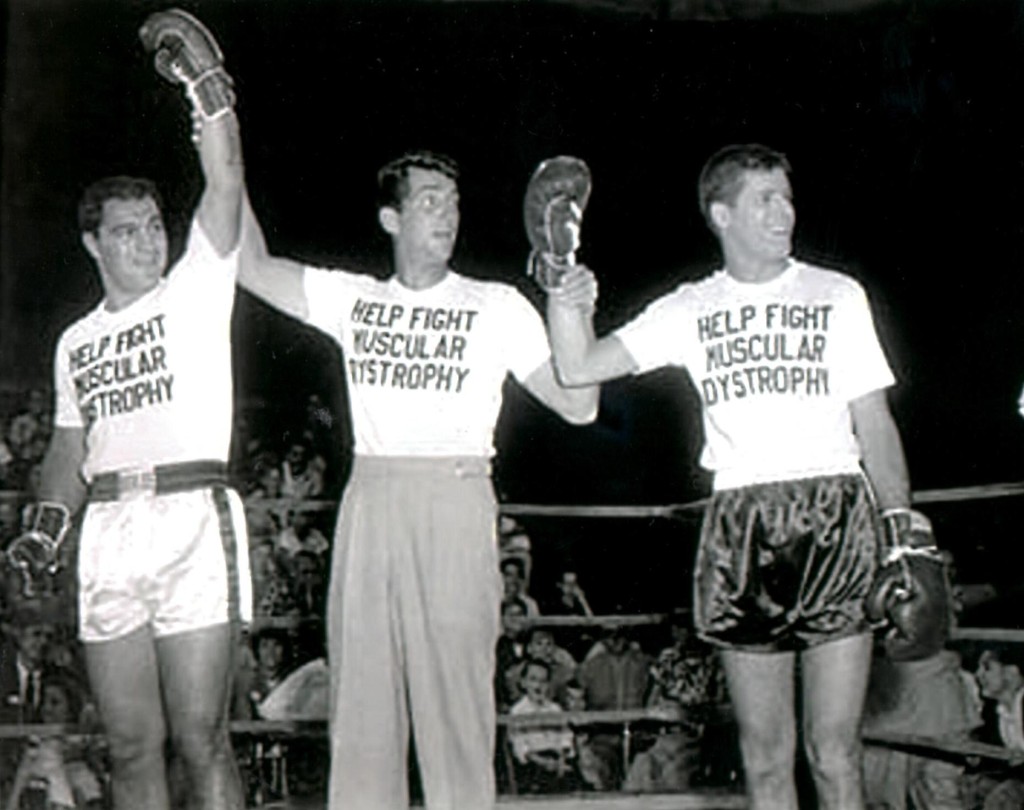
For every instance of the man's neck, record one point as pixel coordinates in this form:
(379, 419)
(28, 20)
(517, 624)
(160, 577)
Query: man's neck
(419, 276)
(754, 271)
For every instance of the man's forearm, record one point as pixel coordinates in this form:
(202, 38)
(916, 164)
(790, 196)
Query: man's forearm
(220, 154)
(571, 334)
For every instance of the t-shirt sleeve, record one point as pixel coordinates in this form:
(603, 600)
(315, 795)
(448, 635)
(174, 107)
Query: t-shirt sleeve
(326, 293)
(527, 338)
(866, 368)
(201, 262)
(652, 337)
(66, 411)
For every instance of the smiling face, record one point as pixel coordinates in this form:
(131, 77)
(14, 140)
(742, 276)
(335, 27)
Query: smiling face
(757, 227)
(130, 249)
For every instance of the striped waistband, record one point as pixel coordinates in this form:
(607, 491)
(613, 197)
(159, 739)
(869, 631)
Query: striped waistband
(163, 479)
(413, 466)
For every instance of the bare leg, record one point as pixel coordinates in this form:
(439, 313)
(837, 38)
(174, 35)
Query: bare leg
(835, 677)
(762, 692)
(125, 680)
(195, 670)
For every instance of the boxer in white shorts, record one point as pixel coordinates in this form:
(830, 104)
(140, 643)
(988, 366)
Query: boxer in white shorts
(415, 588)
(142, 432)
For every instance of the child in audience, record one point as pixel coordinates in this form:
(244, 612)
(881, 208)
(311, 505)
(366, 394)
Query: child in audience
(543, 755)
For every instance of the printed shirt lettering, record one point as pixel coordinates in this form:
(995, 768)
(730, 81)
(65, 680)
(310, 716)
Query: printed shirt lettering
(425, 368)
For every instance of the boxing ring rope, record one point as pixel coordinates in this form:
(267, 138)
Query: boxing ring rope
(671, 511)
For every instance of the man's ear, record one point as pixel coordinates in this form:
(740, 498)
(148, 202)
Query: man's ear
(388, 219)
(91, 245)
(720, 214)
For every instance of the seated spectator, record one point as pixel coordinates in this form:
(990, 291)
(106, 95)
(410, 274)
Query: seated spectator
(571, 599)
(686, 675)
(544, 756)
(926, 697)
(271, 590)
(300, 534)
(510, 651)
(302, 472)
(31, 423)
(513, 542)
(614, 678)
(23, 658)
(63, 774)
(617, 676)
(1000, 681)
(309, 583)
(513, 575)
(272, 654)
(266, 515)
(591, 767)
(541, 646)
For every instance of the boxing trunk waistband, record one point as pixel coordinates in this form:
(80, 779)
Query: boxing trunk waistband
(163, 479)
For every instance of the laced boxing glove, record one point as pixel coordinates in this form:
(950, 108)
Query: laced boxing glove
(556, 197)
(911, 595)
(33, 554)
(185, 52)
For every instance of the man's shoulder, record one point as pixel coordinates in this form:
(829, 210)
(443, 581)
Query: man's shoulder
(826, 277)
(84, 325)
(486, 289)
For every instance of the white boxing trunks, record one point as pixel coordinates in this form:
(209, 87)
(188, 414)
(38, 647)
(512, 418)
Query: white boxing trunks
(176, 561)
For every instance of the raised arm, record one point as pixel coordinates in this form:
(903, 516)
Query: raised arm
(186, 53)
(580, 358)
(881, 450)
(277, 281)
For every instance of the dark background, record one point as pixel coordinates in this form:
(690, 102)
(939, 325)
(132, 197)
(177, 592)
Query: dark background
(902, 121)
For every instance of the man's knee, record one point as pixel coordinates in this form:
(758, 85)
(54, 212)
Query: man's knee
(138, 747)
(201, 743)
(833, 750)
(767, 756)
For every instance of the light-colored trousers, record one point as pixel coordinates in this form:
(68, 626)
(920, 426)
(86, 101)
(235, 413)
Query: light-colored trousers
(412, 624)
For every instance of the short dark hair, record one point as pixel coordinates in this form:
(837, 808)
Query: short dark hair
(61, 679)
(393, 177)
(515, 601)
(721, 179)
(120, 187)
(536, 662)
(275, 634)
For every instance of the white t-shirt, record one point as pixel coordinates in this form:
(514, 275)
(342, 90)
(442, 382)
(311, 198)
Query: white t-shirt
(151, 383)
(425, 368)
(526, 741)
(776, 365)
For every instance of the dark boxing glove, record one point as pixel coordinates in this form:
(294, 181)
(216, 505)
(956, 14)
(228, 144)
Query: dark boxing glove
(553, 207)
(186, 53)
(911, 595)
